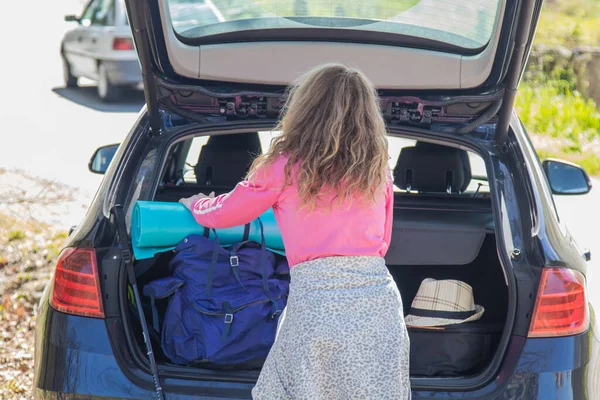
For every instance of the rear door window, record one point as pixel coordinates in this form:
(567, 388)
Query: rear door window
(90, 11)
(477, 186)
(479, 180)
(104, 15)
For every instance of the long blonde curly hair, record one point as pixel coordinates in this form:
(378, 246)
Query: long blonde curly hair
(332, 128)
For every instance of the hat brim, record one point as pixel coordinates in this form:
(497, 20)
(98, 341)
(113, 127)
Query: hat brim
(415, 321)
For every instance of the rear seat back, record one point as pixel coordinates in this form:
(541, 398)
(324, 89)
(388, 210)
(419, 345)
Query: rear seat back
(432, 168)
(224, 160)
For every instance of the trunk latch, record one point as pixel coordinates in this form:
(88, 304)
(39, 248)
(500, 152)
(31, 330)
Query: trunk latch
(248, 106)
(413, 113)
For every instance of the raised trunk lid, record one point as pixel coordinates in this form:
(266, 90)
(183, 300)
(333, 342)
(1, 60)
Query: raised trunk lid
(410, 47)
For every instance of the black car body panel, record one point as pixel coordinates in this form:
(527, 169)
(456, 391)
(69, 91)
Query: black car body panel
(75, 359)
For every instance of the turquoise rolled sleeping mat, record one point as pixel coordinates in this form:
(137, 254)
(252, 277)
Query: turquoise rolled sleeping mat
(159, 226)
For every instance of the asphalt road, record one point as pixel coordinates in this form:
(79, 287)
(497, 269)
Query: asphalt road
(51, 131)
(581, 214)
(48, 130)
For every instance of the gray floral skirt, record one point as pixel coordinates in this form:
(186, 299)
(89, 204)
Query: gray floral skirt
(341, 336)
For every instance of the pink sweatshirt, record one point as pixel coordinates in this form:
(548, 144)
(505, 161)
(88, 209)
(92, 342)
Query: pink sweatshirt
(353, 229)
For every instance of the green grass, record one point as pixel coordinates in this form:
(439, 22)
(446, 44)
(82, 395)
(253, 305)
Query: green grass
(16, 235)
(569, 23)
(60, 235)
(547, 103)
(591, 163)
(566, 30)
(553, 110)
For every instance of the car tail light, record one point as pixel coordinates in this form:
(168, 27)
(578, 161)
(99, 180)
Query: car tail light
(76, 288)
(561, 307)
(122, 44)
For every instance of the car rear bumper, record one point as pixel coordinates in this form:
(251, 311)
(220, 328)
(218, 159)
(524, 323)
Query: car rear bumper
(124, 72)
(74, 356)
(74, 359)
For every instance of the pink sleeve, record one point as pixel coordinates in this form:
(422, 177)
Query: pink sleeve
(389, 212)
(246, 202)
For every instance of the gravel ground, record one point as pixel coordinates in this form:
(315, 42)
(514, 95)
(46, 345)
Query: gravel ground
(29, 246)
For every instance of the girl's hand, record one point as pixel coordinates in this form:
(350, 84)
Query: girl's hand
(187, 202)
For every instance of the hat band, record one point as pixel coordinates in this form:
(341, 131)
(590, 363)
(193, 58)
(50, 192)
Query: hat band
(419, 312)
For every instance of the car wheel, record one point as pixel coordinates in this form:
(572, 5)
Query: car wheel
(68, 77)
(106, 91)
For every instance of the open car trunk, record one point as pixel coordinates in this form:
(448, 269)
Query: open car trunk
(471, 346)
(438, 243)
(448, 232)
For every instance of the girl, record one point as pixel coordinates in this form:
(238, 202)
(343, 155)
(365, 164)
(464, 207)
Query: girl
(342, 335)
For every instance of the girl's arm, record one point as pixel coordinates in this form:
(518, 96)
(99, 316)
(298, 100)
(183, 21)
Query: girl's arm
(246, 202)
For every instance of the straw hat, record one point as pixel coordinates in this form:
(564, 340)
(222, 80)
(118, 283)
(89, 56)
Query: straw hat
(443, 302)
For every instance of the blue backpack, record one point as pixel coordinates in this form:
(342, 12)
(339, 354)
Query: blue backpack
(224, 303)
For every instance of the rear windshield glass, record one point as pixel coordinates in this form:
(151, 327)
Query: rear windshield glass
(466, 24)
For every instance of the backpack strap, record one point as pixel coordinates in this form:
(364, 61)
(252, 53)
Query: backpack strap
(227, 321)
(213, 263)
(160, 289)
(234, 261)
(246, 232)
(276, 310)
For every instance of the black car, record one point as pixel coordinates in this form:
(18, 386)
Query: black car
(472, 200)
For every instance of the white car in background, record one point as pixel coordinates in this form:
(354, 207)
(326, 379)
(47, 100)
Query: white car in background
(101, 48)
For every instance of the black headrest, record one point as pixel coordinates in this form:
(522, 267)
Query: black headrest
(433, 168)
(247, 141)
(224, 159)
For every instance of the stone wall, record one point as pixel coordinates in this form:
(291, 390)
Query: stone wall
(579, 66)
